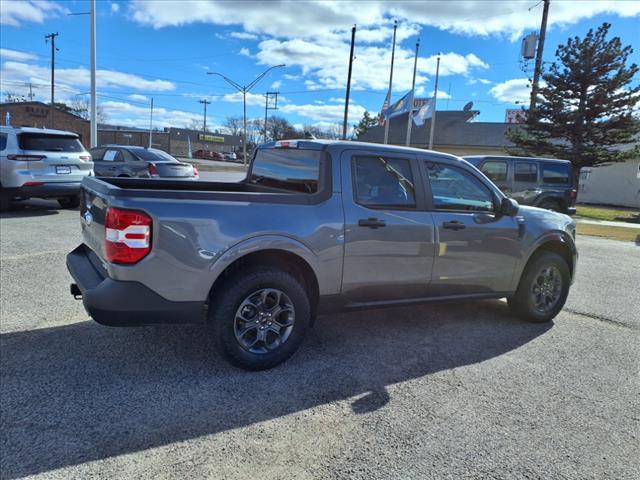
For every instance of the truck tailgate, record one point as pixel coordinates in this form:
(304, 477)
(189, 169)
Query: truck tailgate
(93, 208)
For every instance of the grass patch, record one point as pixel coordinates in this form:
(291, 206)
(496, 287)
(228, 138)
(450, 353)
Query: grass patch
(608, 213)
(614, 233)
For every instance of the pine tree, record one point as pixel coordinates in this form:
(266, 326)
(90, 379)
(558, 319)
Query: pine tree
(365, 124)
(585, 110)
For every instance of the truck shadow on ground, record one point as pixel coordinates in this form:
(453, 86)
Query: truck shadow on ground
(31, 208)
(85, 392)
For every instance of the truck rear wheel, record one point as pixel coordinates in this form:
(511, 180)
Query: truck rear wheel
(259, 317)
(543, 288)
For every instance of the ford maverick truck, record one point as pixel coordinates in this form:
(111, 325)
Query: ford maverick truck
(316, 226)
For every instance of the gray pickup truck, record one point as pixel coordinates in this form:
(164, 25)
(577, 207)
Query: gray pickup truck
(316, 226)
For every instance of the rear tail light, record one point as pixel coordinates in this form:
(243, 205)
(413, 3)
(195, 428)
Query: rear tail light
(195, 172)
(26, 158)
(32, 184)
(85, 158)
(127, 235)
(573, 193)
(153, 170)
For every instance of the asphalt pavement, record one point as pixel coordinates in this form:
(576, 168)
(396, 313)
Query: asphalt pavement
(446, 391)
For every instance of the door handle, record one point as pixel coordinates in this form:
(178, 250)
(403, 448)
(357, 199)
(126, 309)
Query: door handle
(371, 222)
(454, 225)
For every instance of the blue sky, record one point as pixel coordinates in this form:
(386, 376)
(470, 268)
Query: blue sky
(164, 49)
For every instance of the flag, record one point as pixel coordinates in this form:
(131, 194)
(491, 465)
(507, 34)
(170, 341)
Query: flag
(426, 111)
(401, 106)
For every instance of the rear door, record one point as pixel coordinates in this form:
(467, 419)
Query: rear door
(497, 170)
(477, 247)
(389, 238)
(110, 163)
(55, 157)
(525, 182)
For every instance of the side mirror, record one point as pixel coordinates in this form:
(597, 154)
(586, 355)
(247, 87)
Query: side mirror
(509, 207)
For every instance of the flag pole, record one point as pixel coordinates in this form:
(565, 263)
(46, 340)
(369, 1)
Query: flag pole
(388, 102)
(413, 86)
(433, 114)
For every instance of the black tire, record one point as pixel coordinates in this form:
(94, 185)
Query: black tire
(72, 201)
(523, 303)
(5, 202)
(552, 205)
(235, 291)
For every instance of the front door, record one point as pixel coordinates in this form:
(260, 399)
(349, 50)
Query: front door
(477, 247)
(389, 238)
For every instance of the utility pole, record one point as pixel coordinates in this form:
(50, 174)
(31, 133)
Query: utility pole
(268, 96)
(435, 98)
(151, 125)
(388, 99)
(346, 100)
(52, 37)
(93, 121)
(538, 67)
(30, 92)
(413, 87)
(244, 90)
(205, 102)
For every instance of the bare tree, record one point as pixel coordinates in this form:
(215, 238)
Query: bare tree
(13, 97)
(330, 132)
(195, 125)
(80, 107)
(234, 126)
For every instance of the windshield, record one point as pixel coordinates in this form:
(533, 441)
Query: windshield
(153, 155)
(49, 142)
(287, 169)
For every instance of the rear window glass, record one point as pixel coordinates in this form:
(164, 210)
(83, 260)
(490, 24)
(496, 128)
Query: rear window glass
(3, 141)
(49, 143)
(153, 155)
(556, 173)
(525, 172)
(287, 169)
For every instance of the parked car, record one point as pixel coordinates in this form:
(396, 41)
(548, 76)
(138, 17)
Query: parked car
(539, 182)
(231, 156)
(142, 162)
(41, 163)
(208, 155)
(316, 226)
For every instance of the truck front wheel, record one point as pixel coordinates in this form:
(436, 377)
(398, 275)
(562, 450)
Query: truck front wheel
(543, 288)
(259, 317)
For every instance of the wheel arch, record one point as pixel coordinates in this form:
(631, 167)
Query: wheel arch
(284, 254)
(559, 243)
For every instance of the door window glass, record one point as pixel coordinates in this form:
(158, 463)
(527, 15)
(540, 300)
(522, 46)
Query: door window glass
(525, 172)
(97, 153)
(455, 189)
(556, 173)
(3, 141)
(112, 156)
(384, 182)
(496, 171)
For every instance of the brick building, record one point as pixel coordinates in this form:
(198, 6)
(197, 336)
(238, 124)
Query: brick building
(38, 115)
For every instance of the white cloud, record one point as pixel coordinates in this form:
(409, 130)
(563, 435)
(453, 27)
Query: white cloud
(243, 35)
(253, 99)
(81, 77)
(325, 113)
(124, 113)
(115, 7)
(15, 13)
(245, 52)
(511, 91)
(326, 19)
(138, 98)
(276, 85)
(484, 81)
(17, 55)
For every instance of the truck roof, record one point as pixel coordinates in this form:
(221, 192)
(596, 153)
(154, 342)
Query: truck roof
(320, 144)
(509, 157)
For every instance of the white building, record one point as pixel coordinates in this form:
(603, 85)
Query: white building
(615, 184)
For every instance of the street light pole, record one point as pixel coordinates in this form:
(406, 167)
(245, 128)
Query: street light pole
(93, 122)
(244, 90)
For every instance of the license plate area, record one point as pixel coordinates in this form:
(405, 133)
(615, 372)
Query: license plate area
(63, 170)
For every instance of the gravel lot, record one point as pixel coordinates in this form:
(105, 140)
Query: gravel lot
(447, 391)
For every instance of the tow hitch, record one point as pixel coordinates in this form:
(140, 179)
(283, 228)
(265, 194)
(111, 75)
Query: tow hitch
(75, 291)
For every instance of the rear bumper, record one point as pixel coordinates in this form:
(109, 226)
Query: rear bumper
(46, 190)
(116, 303)
(571, 210)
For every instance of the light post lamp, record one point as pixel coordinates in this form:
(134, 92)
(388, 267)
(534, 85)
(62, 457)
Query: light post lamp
(244, 90)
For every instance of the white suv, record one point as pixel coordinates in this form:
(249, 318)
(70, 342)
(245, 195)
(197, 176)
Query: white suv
(41, 163)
